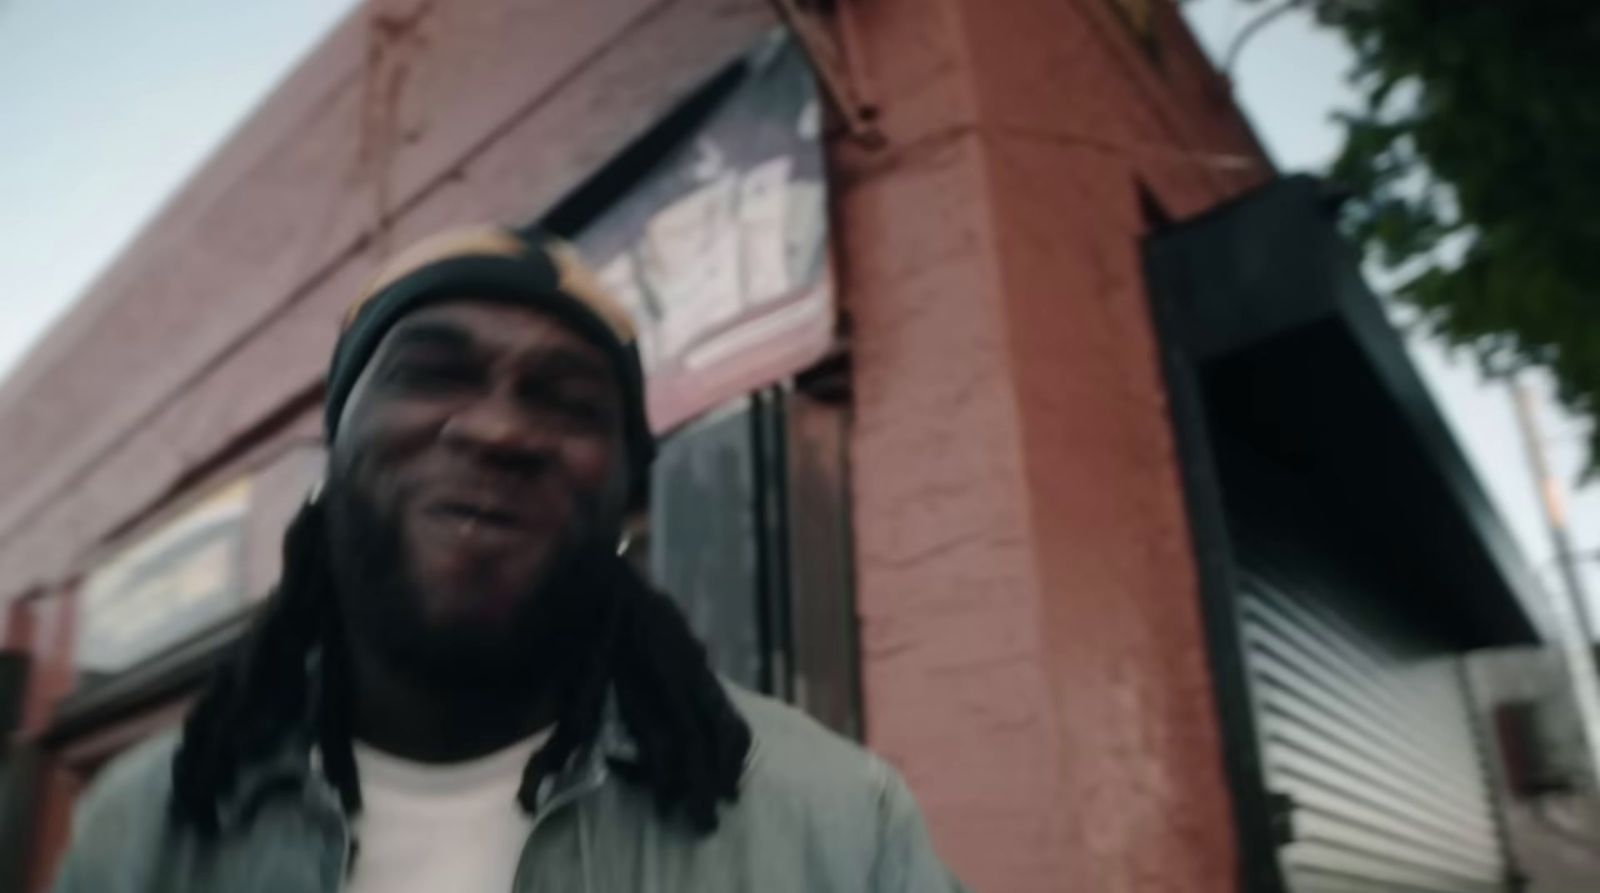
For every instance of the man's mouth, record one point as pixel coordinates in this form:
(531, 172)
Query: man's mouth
(476, 513)
(482, 521)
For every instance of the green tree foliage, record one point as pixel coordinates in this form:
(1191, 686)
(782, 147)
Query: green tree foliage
(1480, 132)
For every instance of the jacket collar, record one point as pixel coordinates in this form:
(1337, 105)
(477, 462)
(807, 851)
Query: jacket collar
(296, 765)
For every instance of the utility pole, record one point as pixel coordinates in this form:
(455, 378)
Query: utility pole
(1577, 632)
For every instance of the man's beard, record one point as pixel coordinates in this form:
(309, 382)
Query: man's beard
(380, 606)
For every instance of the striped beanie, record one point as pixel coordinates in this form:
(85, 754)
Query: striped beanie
(491, 263)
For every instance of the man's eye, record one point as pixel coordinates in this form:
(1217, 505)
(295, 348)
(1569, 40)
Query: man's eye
(578, 404)
(423, 375)
(587, 409)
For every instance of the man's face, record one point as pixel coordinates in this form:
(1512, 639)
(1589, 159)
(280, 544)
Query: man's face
(480, 457)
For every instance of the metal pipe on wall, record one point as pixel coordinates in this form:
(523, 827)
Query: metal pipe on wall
(1578, 631)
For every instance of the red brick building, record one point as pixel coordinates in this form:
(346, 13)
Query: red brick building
(1006, 599)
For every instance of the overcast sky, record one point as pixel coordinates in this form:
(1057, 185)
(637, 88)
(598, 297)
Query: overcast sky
(106, 106)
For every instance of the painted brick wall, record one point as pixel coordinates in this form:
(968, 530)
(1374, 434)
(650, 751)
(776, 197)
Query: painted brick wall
(1032, 649)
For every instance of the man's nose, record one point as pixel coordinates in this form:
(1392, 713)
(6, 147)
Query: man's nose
(492, 427)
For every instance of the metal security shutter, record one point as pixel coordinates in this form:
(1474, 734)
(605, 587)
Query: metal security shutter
(1366, 737)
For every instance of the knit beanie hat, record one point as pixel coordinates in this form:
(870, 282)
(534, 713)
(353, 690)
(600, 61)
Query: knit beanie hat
(491, 263)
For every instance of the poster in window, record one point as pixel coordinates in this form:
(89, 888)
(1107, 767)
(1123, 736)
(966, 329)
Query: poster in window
(179, 580)
(720, 250)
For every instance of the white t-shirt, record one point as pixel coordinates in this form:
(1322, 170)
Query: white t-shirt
(432, 827)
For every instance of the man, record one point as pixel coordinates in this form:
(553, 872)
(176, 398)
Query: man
(458, 685)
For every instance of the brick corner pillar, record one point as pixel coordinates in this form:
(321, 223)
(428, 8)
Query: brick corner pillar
(1033, 657)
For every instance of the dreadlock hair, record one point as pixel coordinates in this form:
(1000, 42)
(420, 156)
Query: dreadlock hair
(692, 742)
